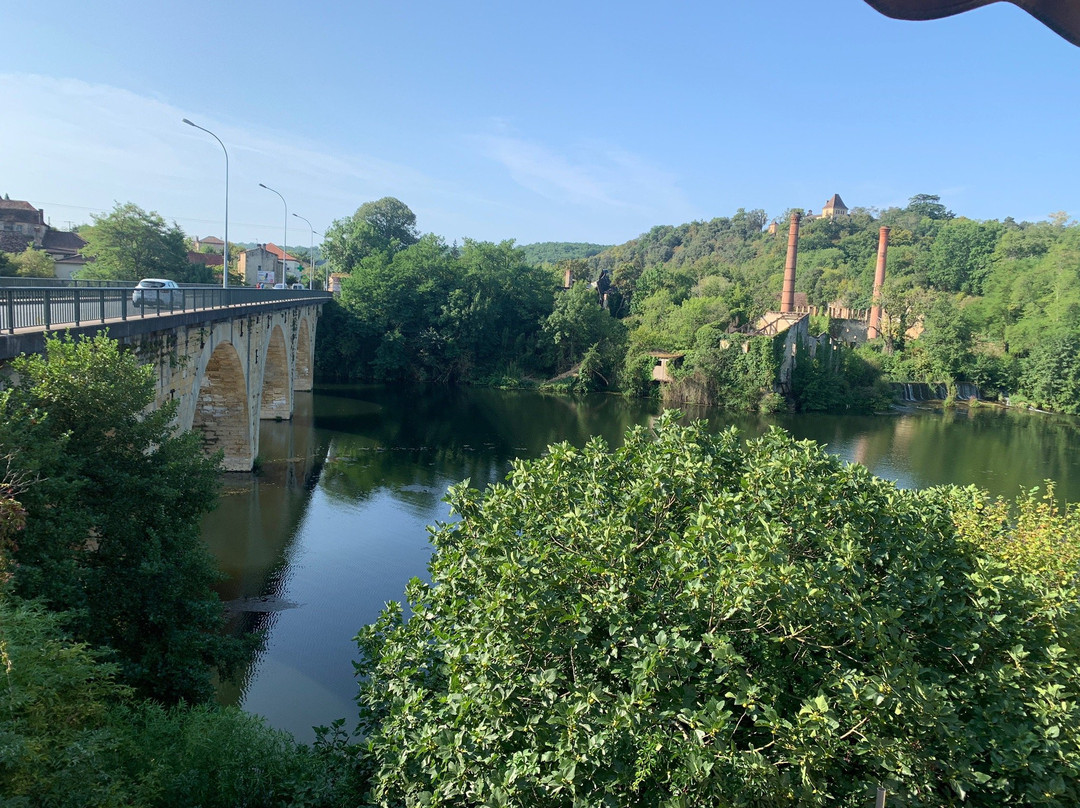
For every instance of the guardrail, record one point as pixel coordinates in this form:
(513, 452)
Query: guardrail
(64, 283)
(50, 308)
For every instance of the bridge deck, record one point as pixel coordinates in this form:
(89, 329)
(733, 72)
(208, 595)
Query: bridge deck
(28, 314)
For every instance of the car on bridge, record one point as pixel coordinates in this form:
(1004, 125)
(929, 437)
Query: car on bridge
(157, 292)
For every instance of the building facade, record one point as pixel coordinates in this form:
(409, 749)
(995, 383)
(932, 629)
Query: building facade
(23, 226)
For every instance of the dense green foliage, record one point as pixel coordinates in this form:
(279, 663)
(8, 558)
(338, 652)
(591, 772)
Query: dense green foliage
(72, 737)
(1034, 534)
(987, 295)
(112, 517)
(384, 226)
(690, 620)
(994, 303)
(552, 252)
(720, 372)
(30, 263)
(128, 244)
(431, 312)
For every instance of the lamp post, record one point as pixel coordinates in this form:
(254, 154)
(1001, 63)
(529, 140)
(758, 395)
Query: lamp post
(284, 244)
(311, 253)
(225, 268)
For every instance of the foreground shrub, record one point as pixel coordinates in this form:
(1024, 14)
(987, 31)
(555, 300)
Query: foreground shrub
(70, 735)
(690, 620)
(1033, 535)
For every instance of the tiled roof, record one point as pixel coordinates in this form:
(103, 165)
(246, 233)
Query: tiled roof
(16, 204)
(210, 240)
(276, 251)
(62, 241)
(836, 202)
(14, 242)
(206, 259)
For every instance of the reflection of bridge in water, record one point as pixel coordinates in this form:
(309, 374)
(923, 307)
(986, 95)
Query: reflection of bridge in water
(254, 531)
(230, 357)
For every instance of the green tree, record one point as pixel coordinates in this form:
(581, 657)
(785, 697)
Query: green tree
(74, 737)
(128, 243)
(961, 255)
(395, 302)
(495, 313)
(1050, 374)
(928, 206)
(553, 252)
(112, 532)
(386, 225)
(31, 263)
(943, 351)
(691, 620)
(576, 323)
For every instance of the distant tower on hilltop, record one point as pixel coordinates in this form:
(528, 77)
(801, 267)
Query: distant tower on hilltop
(834, 207)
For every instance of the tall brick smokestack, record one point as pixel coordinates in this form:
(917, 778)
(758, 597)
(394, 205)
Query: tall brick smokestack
(787, 297)
(874, 329)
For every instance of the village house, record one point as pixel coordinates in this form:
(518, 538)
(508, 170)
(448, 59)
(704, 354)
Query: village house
(262, 264)
(210, 244)
(23, 226)
(834, 207)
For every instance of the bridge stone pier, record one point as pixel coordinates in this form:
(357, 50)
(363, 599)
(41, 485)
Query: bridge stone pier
(228, 367)
(229, 374)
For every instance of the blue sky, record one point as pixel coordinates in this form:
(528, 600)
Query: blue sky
(548, 121)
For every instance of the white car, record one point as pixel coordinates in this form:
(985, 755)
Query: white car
(157, 292)
(299, 286)
(280, 286)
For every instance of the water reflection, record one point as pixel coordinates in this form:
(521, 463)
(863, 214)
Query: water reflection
(336, 523)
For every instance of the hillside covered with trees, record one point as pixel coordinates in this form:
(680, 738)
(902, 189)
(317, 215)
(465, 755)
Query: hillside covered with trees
(997, 304)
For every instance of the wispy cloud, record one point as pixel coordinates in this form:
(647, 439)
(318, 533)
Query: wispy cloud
(76, 148)
(588, 174)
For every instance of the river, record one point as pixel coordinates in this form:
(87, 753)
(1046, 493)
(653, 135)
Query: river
(336, 522)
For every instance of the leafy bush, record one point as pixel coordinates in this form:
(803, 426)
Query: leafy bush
(1032, 535)
(635, 377)
(70, 736)
(839, 380)
(728, 371)
(112, 535)
(689, 620)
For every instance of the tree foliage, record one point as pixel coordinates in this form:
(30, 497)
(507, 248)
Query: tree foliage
(964, 300)
(690, 620)
(112, 533)
(30, 263)
(128, 244)
(577, 323)
(386, 225)
(552, 252)
(73, 737)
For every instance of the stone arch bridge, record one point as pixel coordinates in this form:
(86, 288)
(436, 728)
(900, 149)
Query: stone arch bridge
(229, 367)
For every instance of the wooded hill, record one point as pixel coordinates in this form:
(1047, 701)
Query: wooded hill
(999, 300)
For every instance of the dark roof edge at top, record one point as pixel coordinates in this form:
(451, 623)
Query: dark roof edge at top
(1061, 16)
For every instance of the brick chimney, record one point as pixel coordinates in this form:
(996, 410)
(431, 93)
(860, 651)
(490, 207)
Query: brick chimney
(787, 297)
(873, 331)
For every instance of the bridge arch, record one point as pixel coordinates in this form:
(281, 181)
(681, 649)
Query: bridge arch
(221, 409)
(277, 389)
(304, 359)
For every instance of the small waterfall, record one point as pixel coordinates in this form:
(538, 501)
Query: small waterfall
(966, 391)
(920, 391)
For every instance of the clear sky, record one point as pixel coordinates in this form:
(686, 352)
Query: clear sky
(553, 121)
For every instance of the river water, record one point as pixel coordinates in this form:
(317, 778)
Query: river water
(336, 522)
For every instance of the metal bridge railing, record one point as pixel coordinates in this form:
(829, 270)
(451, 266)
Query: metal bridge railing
(52, 308)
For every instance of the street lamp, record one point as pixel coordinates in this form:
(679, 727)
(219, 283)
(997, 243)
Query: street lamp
(311, 253)
(225, 268)
(284, 244)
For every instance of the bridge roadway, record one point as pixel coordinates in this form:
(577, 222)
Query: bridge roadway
(230, 357)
